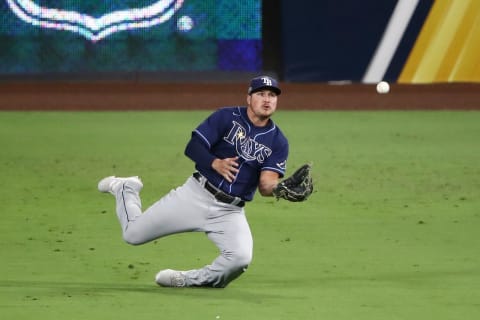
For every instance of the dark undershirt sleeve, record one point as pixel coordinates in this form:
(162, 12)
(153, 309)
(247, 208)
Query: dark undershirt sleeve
(198, 151)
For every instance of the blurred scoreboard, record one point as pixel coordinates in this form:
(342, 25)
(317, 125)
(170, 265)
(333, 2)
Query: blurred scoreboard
(86, 36)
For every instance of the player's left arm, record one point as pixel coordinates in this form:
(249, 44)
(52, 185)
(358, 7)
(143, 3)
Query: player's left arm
(268, 181)
(273, 169)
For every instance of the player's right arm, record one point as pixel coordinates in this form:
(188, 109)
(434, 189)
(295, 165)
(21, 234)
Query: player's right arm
(199, 152)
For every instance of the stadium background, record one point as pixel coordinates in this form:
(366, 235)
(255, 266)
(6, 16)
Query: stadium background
(391, 232)
(328, 54)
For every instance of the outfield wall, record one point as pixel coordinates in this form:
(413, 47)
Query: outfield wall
(127, 95)
(404, 41)
(401, 41)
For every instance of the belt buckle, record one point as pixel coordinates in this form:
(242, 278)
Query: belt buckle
(236, 201)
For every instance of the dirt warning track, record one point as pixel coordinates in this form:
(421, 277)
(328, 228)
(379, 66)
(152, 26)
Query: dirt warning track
(111, 95)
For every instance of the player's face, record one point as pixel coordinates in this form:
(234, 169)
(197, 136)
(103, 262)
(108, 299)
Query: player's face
(261, 105)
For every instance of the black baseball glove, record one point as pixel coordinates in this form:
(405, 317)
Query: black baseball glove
(297, 187)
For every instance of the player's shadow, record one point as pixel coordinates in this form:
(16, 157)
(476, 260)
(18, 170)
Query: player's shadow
(76, 287)
(97, 288)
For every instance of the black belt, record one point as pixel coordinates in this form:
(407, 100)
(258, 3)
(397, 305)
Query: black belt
(219, 194)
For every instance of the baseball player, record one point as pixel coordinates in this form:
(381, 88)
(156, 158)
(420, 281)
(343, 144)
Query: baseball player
(235, 150)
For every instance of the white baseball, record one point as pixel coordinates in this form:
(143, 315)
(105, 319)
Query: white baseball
(185, 23)
(383, 87)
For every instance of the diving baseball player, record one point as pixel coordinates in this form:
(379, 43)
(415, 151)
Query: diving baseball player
(235, 150)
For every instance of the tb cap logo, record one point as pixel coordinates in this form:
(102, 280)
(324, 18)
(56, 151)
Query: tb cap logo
(267, 81)
(264, 82)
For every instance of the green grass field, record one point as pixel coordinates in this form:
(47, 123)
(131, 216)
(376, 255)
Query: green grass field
(392, 231)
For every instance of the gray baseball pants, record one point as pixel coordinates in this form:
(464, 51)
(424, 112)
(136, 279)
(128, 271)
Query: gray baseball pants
(190, 208)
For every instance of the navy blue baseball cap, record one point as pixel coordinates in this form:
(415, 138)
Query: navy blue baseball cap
(264, 82)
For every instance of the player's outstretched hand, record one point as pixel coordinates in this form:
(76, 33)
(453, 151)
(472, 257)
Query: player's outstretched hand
(297, 187)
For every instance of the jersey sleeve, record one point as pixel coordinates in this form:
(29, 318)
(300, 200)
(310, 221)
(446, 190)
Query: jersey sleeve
(278, 159)
(212, 128)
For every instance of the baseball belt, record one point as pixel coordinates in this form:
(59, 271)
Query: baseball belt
(217, 193)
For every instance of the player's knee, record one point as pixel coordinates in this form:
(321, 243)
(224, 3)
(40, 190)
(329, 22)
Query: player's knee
(241, 259)
(132, 237)
(237, 263)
